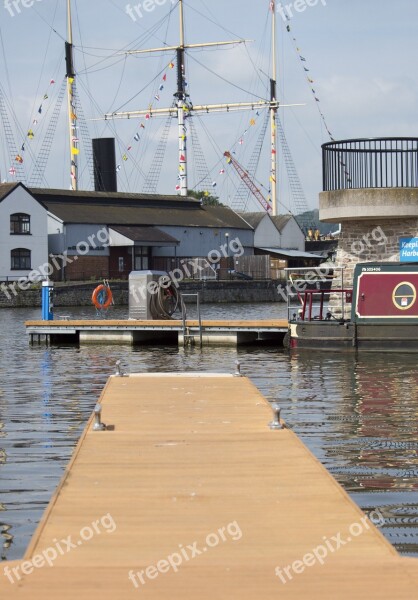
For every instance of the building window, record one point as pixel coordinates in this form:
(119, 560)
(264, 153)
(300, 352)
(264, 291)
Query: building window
(20, 224)
(141, 254)
(20, 259)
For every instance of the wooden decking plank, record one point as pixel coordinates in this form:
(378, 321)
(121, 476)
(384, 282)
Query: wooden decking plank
(189, 455)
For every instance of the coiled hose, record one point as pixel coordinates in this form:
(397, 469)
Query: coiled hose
(164, 302)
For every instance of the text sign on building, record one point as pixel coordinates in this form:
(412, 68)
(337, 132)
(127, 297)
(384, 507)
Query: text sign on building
(408, 249)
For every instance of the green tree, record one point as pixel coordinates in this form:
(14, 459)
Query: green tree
(206, 198)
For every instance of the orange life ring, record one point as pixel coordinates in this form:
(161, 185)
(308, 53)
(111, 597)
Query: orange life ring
(107, 292)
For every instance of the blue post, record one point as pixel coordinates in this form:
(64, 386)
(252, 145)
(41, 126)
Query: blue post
(47, 301)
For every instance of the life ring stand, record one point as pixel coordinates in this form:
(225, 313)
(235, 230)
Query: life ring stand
(102, 288)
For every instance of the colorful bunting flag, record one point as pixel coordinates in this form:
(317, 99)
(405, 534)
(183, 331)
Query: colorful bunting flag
(19, 159)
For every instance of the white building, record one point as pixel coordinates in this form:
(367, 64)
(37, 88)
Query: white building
(281, 231)
(280, 237)
(23, 232)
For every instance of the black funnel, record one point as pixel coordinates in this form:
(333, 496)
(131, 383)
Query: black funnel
(104, 160)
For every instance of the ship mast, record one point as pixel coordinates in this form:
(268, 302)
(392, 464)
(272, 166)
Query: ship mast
(183, 108)
(72, 117)
(273, 112)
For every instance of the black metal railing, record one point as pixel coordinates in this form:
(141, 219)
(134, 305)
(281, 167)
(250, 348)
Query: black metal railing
(370, 163)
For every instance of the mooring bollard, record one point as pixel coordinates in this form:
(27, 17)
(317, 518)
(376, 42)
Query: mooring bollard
(119, 369)
(98, 425)
(237, 369)
(275, 423)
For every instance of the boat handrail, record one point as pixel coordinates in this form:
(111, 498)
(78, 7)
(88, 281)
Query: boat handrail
(306, 312)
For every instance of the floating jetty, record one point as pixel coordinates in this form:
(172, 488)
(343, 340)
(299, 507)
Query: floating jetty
(168, 331)
(194, 488)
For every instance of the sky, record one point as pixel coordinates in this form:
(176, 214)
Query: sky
(360, 54)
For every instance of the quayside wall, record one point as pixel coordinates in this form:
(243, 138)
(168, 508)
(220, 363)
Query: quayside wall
(210, 292)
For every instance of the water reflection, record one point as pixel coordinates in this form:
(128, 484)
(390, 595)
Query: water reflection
(357, 414)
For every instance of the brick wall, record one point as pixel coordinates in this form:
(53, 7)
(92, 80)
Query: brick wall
(87, 267)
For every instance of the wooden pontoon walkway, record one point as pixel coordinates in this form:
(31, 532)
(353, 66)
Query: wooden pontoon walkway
(136, 331)
(190, 463)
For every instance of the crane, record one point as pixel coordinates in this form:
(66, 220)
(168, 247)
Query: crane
(248, 181)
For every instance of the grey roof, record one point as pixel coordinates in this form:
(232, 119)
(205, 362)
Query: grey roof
(55, 195)
(290, 253)
(136, 209)
(6, 188)
(280, 221)
(254, 219)
(146, 235)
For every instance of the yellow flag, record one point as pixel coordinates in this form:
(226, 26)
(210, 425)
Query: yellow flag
(75, 151)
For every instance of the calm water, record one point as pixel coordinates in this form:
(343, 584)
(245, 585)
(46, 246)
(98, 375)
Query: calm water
(359, 415)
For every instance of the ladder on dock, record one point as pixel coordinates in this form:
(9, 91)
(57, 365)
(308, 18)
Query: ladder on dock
(189, 337)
